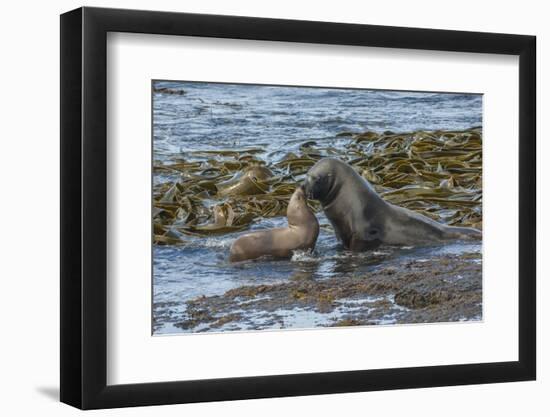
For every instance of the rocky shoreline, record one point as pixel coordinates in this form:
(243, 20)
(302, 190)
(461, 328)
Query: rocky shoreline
(446, 288)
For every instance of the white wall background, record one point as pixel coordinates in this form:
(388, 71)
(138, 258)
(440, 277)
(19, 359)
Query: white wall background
(29, 218)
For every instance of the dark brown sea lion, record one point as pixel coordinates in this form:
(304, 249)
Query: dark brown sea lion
(301, 234)
(362, 220)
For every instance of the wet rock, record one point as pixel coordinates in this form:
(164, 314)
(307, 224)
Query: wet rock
(411, 298)
(347, 322)
(196, 317)
(226, 319)
(247, 291)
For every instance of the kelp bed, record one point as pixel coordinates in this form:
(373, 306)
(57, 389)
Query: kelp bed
(206, 193)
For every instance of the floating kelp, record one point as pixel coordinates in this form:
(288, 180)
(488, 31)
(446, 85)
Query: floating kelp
(209, 192)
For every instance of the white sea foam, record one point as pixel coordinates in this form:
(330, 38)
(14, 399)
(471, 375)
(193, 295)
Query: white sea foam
(224, 243)
(303, 256)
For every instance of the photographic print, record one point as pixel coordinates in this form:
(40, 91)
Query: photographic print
(290, 207)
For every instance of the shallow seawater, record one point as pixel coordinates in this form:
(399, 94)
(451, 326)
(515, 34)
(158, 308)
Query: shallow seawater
(219, 116)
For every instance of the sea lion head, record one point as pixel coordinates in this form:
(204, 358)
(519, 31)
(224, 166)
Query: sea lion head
(298, 212)
(320, 180)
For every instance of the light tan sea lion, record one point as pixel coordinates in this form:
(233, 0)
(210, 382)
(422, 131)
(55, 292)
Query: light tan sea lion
(362, 220)
(301, 234)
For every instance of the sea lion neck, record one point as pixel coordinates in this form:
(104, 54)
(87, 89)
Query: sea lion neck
(301, 218)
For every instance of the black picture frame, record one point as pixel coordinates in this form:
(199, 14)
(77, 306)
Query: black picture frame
(84, 207)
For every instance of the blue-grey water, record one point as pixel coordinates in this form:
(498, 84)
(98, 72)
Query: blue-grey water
(212, 116)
